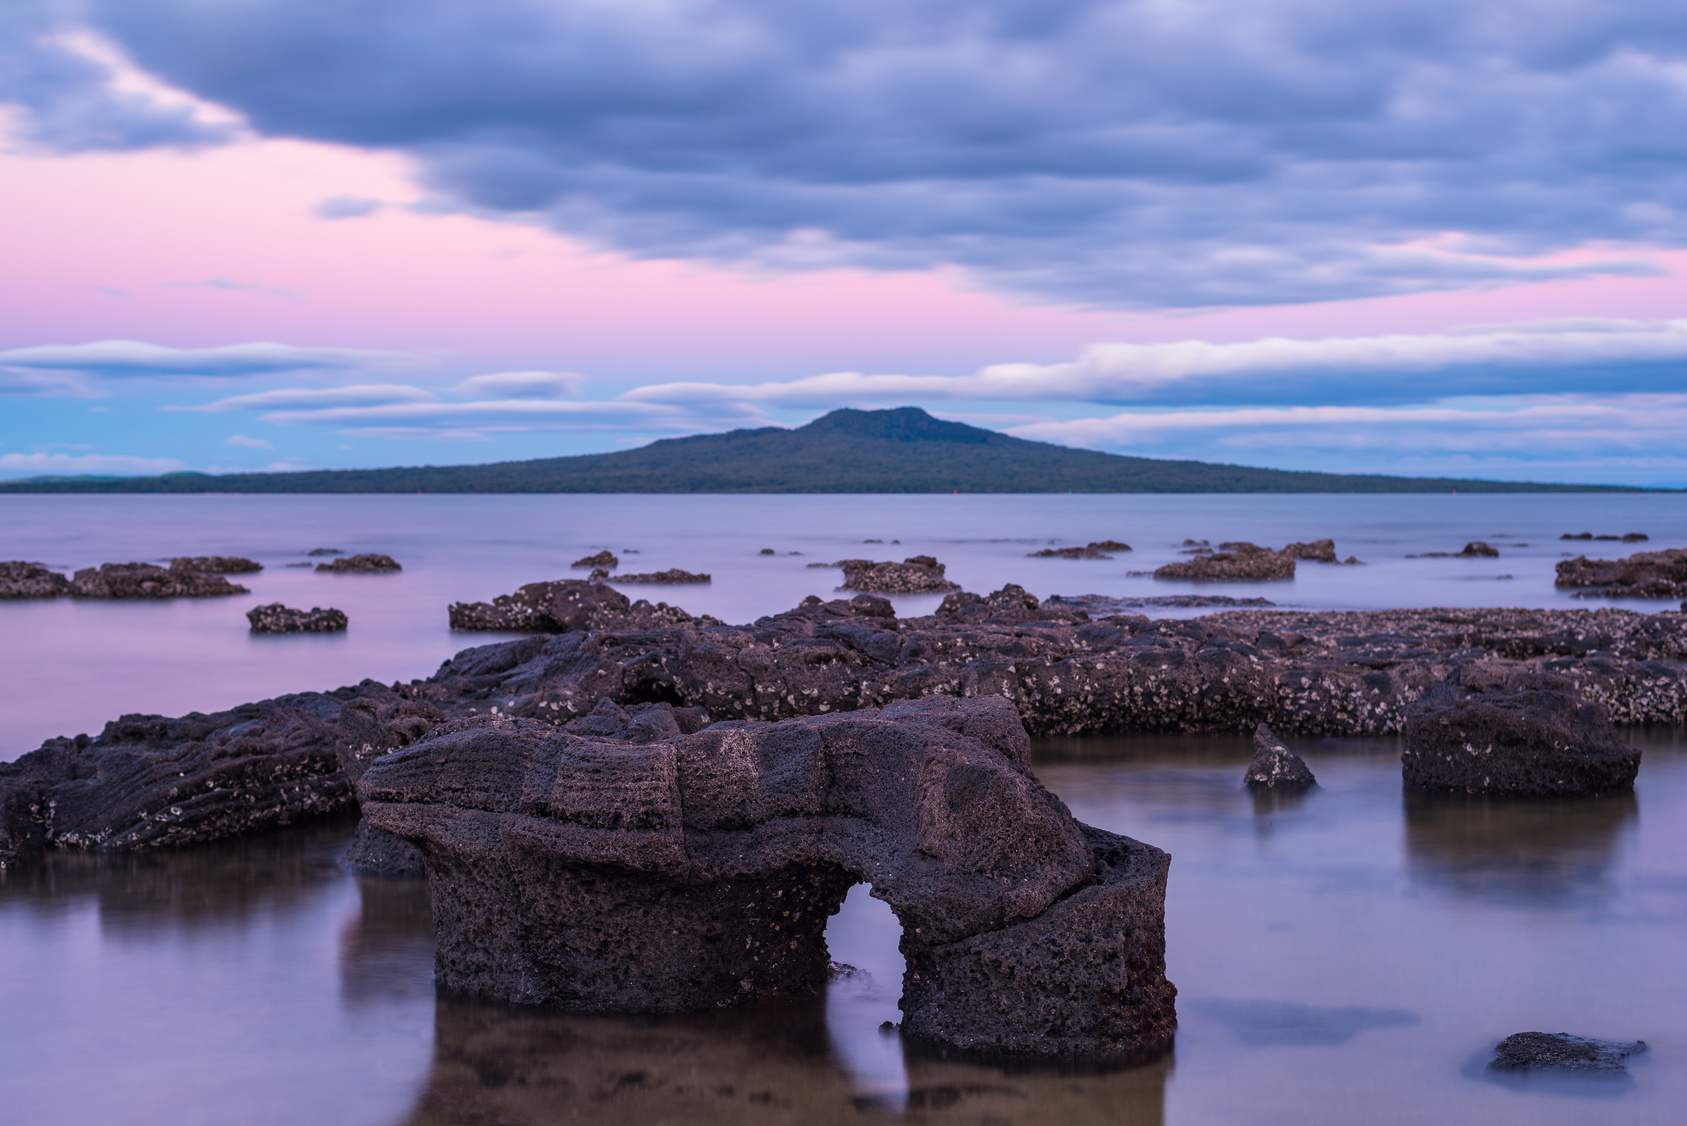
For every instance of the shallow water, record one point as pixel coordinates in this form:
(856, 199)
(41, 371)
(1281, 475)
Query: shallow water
(1345, 958)
(68, 667)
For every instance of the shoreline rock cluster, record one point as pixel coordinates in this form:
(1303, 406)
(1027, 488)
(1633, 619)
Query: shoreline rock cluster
(1645, 574)
(182, 579)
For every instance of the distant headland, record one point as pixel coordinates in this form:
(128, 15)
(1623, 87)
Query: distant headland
(904, 450)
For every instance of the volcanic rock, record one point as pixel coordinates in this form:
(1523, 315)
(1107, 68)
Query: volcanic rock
(144, 580)
(606, 559)
(1275, 767)
(671, 576)
(1101, 549)
(567, 604)
(1645, 574)
(217, 564)
(1559, 1051)
(19, 579)
(918, 574)
(699, 871)
(370, 564)
(276, 618)
(1493, 730)
(1236, 561)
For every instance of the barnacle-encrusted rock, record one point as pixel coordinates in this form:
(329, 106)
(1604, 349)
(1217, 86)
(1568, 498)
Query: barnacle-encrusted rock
(699, 871)
(1274, 766)
(1239, 561)
(277, 618)
(1496, 730)
(1560, 1051)
(19, 579)
(918, 574)
(672, 575)
(218, 564)
(368, 564)
(564, 605)
(145, 580)
(1645, 574)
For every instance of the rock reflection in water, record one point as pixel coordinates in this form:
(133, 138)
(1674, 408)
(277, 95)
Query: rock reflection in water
(767, 1063)
(386, 949)
(1532, 850)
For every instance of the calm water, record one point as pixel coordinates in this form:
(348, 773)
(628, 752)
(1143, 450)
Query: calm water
(1342, 959)
(68, 666)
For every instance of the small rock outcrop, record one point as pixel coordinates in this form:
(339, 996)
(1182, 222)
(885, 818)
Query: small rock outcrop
(1630, 537)
(1490, 730)
(1318, 551)
(368, 564)
(1235, 561)
(1275, 767)
(19, 579)
(918, 574)
(218, 564)
(605, 559)
(697, 871)
(1559, 1051)
(1645, 574)
(1101, 549)
(564, 605)
(1477, 549)
(277, 618)
(672, 575)
(145, 580)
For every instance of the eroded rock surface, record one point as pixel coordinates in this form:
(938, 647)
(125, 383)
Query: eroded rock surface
(1274, 766)
(277, 618)
(371, 563)
(1491, 729)
(145, 580)
(698, 871)
(1560, 1051)
(1645, 574)
(19, 579)
(918, 574)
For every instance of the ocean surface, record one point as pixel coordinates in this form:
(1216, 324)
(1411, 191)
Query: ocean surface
(1345, 958)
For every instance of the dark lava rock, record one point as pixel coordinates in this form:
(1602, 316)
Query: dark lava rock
(1490, 730)
(218, 564)
(568, 604)
(671, 576)
(19, 579)
(1645, 574)
(376, 852)
(1318, 551)
(1101, 549)
(1478, 549)
(606, 559)
(699, 871)
(919, 574)
(369, 564)
(1275, 767)
(1559, 1051)
(143, 580)
(276, 618)
(1241, 561)
(1101, 605)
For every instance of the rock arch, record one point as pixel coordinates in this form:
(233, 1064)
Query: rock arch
(698, 871)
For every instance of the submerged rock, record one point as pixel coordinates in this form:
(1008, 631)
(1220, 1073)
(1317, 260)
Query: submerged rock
(1236, 561)
(1274, 766)
(918, 574)
(218, 564)
(1318, 551)
(1630, 537)
(1559, 1051)
(1476, 548)
(368, 564)
(699, 871)
(1101, 549)
(144, 580)
(276, 618)
(1503, 731)
(1645, 574)
(605, 559)
(19, 579)
(672, 576)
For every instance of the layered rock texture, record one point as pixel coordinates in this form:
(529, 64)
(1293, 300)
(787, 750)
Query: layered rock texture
(145, 580)
(19, 579)
(1490, 729)
(919, 574)
(277, 618)
(672, 872)
(1343, 673)
(1275, 767)
(1645, 574)
(367, 564)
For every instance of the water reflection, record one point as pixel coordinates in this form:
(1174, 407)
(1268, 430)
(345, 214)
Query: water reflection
(386, 949)
(1263, 1023)
(1528, 850)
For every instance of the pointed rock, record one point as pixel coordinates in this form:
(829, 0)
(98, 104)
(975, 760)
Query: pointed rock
(1275, 767)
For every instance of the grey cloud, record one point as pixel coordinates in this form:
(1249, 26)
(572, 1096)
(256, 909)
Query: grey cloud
(1103, 152)
(522, 384)
(120, 359)
(347, 207)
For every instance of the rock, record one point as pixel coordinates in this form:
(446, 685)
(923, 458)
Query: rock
(1101, 549)
(217, 564)
(606, 559)
(370, 564)
(919, 574)
(316, 551)
(1235, 561)
(767, 551)
(276, 618)
(19, 579)
(1102, 605)
(1476, 548)
(1494, 730)
(143, 580)
(1645, 574)
(1275, 767)
(671, 576)
(568, 604)
(376, 852)
(1630, 537)
(1559, 1051)
(698, 871)
(1319, 551)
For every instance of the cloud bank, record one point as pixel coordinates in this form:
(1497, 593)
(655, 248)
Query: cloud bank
(1105, 152)
(125, 359)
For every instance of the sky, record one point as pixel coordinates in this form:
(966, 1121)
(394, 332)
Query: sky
(1405, 236)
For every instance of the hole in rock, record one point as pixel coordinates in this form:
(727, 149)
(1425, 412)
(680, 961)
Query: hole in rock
(865, 936)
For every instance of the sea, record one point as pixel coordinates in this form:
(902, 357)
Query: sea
(1346, 958)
